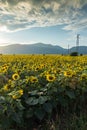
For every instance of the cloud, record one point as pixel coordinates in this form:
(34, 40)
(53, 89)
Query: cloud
(23, 14)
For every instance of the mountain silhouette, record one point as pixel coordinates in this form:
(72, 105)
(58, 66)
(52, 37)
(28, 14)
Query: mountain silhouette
(38, 48)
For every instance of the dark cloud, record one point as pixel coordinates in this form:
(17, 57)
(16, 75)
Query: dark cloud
(23, 14)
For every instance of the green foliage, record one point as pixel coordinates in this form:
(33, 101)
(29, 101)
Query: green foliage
(33, 99)
(74, 54)
(81, 54)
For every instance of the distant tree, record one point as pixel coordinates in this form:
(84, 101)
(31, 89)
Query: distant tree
(81, 54)
(74, 54)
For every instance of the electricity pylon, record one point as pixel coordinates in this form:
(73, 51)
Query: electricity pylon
(77, 43)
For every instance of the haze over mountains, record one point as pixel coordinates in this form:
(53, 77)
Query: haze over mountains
(39, 48)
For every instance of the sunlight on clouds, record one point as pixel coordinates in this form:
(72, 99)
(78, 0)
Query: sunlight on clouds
(3, 29)
(17, 15)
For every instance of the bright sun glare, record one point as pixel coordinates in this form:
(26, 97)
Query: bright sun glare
(3, 28)
(3, 40)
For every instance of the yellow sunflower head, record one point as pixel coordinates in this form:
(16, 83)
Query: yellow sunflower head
(33, 79)
(17, 94)
(4, 69)
(6, 87)
(68, 73)
(14, 96)
(50, 77)
(20, 91)
(83, 76)
(15, 76)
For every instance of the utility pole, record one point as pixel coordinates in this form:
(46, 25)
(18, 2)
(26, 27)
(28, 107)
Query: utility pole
(77, 43)
(68, 49)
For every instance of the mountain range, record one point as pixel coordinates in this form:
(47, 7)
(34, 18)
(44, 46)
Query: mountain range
(39, 48)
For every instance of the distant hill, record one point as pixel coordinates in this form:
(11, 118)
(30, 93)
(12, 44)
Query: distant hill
(38, 48)
(82, 49)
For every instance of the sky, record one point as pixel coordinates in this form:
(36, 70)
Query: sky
(55, 22)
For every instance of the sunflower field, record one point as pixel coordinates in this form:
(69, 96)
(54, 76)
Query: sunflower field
(39, 88)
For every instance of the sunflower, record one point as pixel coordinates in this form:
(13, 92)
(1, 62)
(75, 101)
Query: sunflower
(15, 76)
(6, 87)
(20, 91)
(14, 96)
(37, 68)
(33, 79)
(69, 73)
(24, 67)
(83, 76)
(17, 94)
(4, 69)
(50, 77)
